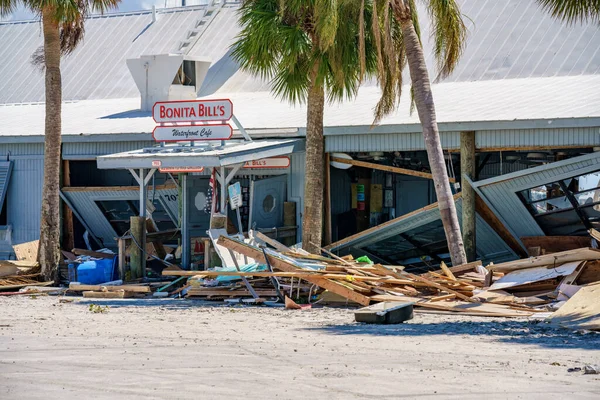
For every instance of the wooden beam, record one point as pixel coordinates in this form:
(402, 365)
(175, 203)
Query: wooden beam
(554, 244)
(68, 238)
(285, 266)
(384, 225)
(137, 256)
(494, 222)
(469, 217)
(102, 288)
(327, 237)
(387, 168)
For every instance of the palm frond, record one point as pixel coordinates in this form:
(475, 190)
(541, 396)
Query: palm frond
(572, 11)
(449, 35)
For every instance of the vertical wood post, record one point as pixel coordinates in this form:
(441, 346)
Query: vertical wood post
(327, 236)
(467, 168)
(68, 234)
(137, 256)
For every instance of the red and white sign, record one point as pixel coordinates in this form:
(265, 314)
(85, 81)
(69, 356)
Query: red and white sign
(156, 163)
(186, 133)
(192, 111)
(180, 169)
(269, 163)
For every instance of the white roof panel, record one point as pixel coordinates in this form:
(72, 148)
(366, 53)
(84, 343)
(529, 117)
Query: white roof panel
(485, 101)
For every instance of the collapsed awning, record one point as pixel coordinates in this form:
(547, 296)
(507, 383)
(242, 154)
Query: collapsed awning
(228, 154)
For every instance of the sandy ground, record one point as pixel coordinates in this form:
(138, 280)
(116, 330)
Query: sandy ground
(177, 349)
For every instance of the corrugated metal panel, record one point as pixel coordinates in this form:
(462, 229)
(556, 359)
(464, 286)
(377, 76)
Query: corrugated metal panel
(501, 192)
(85, 204)
(96, 69)
(79, 150)
(24, 199)
(493, 139)
(386, 142)
(490, 247)
(572, 137)
(21, 149)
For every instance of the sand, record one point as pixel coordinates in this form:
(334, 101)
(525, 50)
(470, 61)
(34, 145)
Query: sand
(181, 349)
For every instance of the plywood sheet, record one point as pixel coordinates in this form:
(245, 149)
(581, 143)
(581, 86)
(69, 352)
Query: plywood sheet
(582, 311)
(530, 275)
(27, 251)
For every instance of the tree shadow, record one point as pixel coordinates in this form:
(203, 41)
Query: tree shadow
(167, 303)
(129, 114)
(517, 331)
(218, 74)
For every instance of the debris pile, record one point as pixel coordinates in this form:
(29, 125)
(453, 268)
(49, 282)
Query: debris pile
(514, 289)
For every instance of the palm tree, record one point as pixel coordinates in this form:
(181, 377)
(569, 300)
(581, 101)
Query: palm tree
(395, 26)
(307, 49)
(573, 10)
(63, 28)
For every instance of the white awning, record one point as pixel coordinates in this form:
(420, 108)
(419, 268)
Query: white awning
(231, 153)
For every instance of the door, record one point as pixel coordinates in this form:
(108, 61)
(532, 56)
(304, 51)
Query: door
(266, 203)
(412, 194)
(198, 218)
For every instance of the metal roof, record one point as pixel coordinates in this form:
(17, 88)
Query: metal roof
(96, 69)
(230, 153)
(461, 105)
(507, 40)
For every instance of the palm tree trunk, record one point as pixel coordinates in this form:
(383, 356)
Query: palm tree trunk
(312, 220)
(49, 251)
(426, 110)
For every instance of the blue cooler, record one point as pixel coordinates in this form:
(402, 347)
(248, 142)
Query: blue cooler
(97, 272)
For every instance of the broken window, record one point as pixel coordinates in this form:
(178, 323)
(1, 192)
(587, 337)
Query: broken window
(119, 212)
(566, 207)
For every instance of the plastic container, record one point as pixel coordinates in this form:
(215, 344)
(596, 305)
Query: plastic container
(72, 272)
(96, 272)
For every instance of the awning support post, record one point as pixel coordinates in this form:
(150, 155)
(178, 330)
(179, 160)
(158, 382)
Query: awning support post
(185, 234)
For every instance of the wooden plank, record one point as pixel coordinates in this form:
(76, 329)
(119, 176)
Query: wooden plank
(107, 288)
(384, 225)
(440, 287)
(27, 251)
(271, 242)
(582, 311)
(442, 298)
(91, 253)
(494, 222)
(548, 259)
(447, 271)
(107, 295)
(595, 234)
(555, 244)
(285, 266)
(387, 168)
